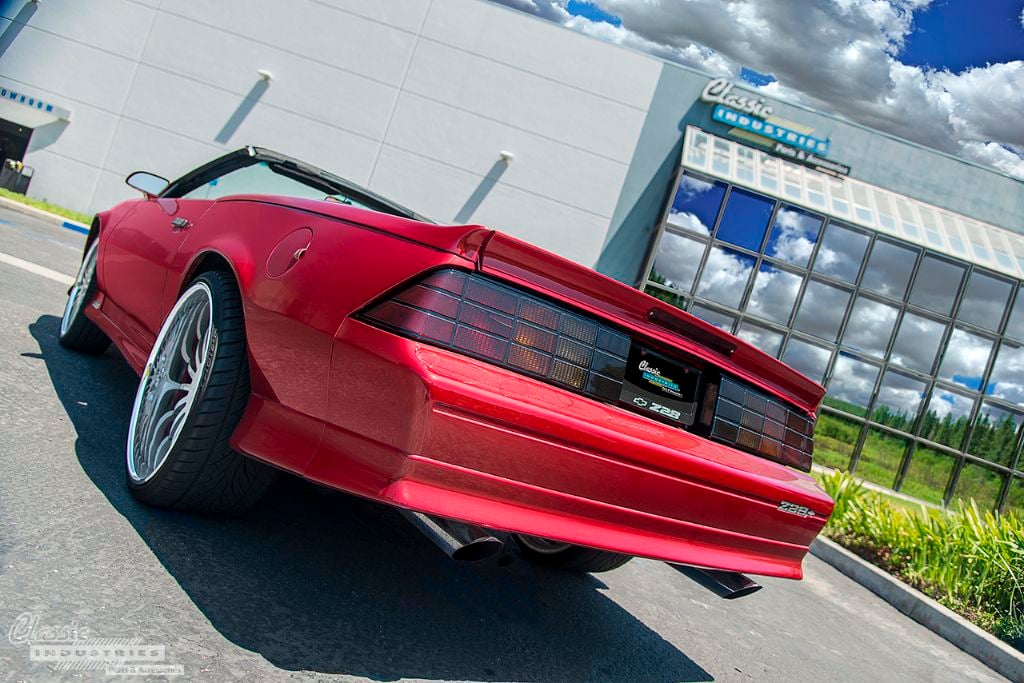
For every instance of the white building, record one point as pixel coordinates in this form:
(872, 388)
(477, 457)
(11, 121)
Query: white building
(655, 174)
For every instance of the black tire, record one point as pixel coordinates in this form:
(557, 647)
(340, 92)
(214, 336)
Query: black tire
(568, 557)
(77, 332)
(201, 472)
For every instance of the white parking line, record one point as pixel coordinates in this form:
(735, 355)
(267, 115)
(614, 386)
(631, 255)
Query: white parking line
(36, 269)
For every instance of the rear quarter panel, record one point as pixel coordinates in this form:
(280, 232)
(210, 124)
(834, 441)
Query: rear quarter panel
(291, 319)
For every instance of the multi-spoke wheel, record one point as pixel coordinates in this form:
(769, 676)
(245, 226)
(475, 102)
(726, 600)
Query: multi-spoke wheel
(566, 556)
(170, 382)
(191, 395)
(76, 331)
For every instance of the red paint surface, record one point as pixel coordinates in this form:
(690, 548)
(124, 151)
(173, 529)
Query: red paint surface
(368, 412)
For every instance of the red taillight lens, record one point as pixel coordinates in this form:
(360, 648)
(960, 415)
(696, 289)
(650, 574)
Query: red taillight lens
(478, 317)
(491, 321)
(762, 425)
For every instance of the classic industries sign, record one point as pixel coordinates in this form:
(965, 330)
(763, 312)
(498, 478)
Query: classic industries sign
(750, 113)
(719, 91)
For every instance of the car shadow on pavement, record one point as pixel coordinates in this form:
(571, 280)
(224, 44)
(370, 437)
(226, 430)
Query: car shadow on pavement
(320, 581)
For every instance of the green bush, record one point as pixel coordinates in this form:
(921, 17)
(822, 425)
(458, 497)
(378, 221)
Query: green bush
(971, 561)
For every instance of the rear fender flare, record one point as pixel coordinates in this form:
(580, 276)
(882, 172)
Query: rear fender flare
(232, 256)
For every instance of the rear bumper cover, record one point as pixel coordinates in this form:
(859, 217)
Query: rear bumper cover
(437, 432)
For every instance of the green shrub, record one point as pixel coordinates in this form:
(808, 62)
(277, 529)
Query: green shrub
(971, 561)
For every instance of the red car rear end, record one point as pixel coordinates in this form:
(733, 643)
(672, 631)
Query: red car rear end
(532, 395)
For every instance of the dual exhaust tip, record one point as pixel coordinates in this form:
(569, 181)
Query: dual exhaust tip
(469, 543)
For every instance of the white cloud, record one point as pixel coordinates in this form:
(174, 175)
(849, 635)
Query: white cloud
(546, 9)
(1007, 380)
(900, 394)
(853, 381)
(965, 358)
(725, 276)
(917, 342)
(1001, 157)
(808, 359)
(871, 324)
(677, 261)
(837, 55)
(687, 221)
(774, 293)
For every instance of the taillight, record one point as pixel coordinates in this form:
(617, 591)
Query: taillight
(750, 420)
(478, 317)
(475, 316)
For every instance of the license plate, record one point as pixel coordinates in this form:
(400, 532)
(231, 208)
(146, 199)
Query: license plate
(660, 387)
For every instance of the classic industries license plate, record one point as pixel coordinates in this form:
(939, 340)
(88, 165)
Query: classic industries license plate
(655, 384)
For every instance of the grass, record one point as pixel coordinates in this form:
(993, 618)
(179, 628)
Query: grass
(927, 474)
(46, 206)
(970, 561)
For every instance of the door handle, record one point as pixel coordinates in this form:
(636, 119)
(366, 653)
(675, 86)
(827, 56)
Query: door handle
(180, 223)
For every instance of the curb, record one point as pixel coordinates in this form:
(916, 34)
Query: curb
(980, 644)
(63, 222)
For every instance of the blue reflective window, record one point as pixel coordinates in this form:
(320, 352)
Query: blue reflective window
(821, 311)
(1015, 325)
(917, 342)
(888, 269)
(745, 219)
(947, 416)
(984, 300)
(725, 276)
(763, 338)
(677, 261)
(851, 385)
(936, 285)
(965, 359)
(774, 294)
(871, 324)
(807, 359)
(841, 253)
(794, 235)
(899, 400)
(695, 206)
(716, 318)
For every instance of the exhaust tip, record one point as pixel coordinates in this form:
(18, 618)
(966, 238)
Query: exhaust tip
(479, 550)
(743, 592)
(726, 585)
(462, 542)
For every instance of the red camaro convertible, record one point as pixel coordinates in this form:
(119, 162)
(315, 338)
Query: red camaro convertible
(282, 318)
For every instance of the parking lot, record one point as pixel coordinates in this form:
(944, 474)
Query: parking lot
(311, 584)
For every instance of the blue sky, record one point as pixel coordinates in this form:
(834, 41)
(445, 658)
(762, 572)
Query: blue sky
(948, 34)
(592, 12)
(956, 34)
(948, 74)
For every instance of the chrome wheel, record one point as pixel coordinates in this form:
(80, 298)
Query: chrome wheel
(542, 545)
(76, 297)
(170, 382)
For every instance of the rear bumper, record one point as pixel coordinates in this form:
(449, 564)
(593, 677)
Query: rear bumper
(433, 431)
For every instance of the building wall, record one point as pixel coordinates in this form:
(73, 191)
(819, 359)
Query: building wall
(412, 98)
(876, 158)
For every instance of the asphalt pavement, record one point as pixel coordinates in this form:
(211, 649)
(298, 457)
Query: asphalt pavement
(314, 584)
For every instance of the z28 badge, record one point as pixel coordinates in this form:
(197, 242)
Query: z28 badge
(794, 509)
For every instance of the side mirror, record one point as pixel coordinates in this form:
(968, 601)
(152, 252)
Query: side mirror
(148, 184)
